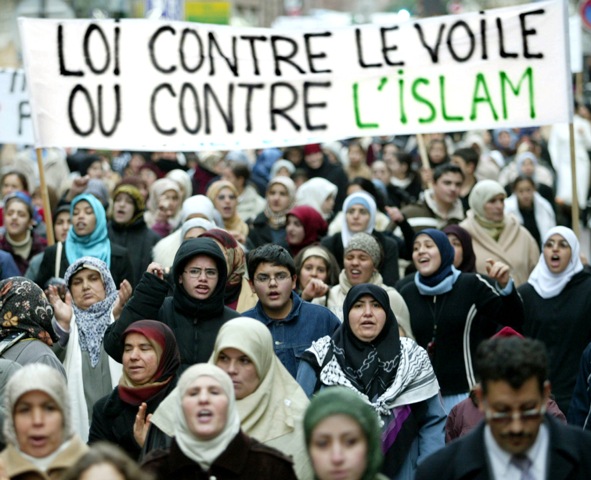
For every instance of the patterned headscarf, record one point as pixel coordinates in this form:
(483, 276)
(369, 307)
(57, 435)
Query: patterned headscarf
(24, 308)
(162, 339)
(97, 243)
(93, 322)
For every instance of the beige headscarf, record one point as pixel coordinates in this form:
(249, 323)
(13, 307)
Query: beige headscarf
(204, 452)
(234, 224)
(279, 403)
(484, 191)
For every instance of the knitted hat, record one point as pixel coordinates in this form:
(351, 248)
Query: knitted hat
(368, 244)
(343, 401)
(134, 194)
(36, 377)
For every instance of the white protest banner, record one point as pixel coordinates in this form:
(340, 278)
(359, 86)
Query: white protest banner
(141, 84)
(15, 114)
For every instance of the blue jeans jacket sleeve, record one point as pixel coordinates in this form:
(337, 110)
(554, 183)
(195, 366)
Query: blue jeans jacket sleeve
(432, 431)
(307, 378)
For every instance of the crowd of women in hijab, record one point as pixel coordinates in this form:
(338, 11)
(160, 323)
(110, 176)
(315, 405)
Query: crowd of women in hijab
(311, 312)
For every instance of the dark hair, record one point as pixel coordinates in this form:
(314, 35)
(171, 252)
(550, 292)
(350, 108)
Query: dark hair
(370, 188)
(523, 178)
(404, 158)
(332, 266)
(469, 155)
(446, 168)
(103, 452)
(269, 253)
(511, 359)
(240, 170)
(21, 176)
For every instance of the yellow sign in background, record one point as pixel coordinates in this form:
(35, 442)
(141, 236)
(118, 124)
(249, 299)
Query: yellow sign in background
(208, 12)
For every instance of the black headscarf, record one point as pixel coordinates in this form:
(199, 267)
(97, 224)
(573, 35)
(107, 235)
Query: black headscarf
(212, 306)
(370, 366)
(469, 257)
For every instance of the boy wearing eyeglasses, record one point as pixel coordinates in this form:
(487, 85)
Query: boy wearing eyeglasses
(517, 440)
(294, 323)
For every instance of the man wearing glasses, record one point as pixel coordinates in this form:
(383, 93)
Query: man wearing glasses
(517, 440)
(294, 323)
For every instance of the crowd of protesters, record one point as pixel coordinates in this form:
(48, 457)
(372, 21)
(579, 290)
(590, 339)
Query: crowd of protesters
(319, 311)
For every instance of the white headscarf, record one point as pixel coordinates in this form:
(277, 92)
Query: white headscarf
(314, 193)
(358, 198)
(548, 284)
(204, 452)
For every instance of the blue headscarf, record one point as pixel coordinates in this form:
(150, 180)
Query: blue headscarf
(429, 285)
(96, 244)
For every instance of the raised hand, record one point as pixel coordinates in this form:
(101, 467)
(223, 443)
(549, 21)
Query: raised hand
(498, 271)
(124, 294)
(141, 424)
(62, 310)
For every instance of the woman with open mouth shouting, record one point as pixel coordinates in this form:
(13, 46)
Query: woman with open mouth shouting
(451, 311)
(557, 311)
(38, 426)
(208, 442)
(391, 373)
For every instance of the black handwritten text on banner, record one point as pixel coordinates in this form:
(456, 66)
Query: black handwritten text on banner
(170, 85)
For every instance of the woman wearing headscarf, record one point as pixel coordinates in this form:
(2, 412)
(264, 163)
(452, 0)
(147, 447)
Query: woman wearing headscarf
(338, 416)
(195, 311)
(92, 303)
(150, 362)
(269, 225)
(496, 235)
(359, 215)
(88, 236)
(305, 226)
(361, 258)
(217, 447)
(163, 213)
(557, 309)
(392, 374)
(128, 228)
(451, 312)
(238, 294)
(461, 240)
(197, 206)
(36, 398)
(184, 181)
(26, 333)
(317, 270)
(269, 401)
(320, 194)
(224, 196)
(532, 210)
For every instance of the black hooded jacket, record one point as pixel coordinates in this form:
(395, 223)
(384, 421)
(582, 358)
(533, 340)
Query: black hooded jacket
(195, 323)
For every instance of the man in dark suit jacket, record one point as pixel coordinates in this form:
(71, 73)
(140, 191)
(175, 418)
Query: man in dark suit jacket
(516, 435)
